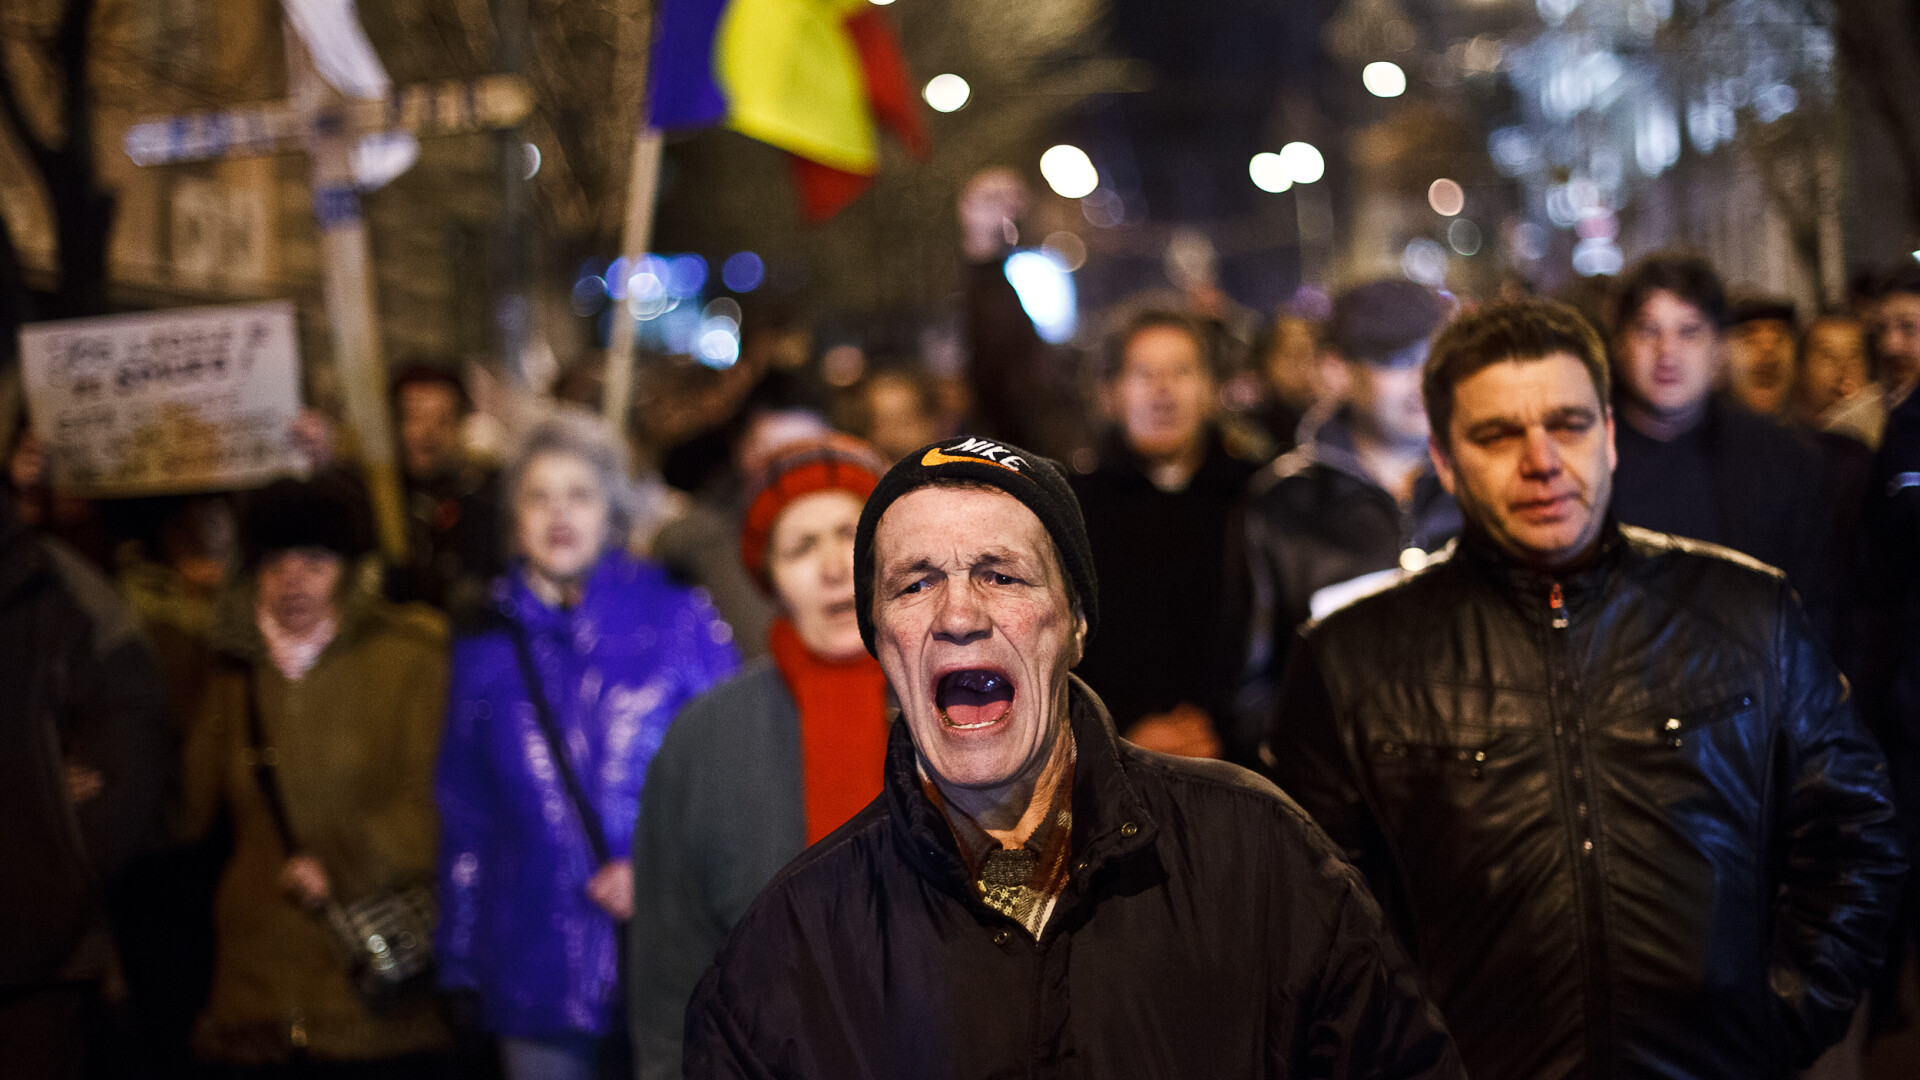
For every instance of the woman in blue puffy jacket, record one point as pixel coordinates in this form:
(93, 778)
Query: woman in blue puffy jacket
(595, 651)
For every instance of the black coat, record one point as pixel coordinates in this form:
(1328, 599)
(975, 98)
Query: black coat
(78, 691)
(1652, 841)
(1171, 583)
(1315, 518)
(1767, 484)
(1890, 682)
(1208, 929)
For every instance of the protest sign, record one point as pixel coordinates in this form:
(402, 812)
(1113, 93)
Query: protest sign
(167, 402)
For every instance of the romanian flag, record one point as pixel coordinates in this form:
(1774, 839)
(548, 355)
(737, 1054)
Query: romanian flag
(815, 78)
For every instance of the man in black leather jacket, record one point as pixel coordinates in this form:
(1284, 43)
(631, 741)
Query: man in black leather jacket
(1606, 782)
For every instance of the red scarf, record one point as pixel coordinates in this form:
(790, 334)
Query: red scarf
(843, 728)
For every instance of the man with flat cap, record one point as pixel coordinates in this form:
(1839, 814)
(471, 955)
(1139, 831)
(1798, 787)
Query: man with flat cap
(1358, 501)
(1029, 895)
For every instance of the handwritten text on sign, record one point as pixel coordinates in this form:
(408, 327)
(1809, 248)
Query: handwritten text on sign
(195, 399)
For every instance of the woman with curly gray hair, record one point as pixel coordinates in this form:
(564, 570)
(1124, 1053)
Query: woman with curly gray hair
(554, 713)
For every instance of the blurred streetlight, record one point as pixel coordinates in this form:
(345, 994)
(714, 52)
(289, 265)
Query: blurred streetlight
(1269, 173)
(1303, 163)
(947, 93)
(1464, 236)
(1383, 78)
(1069, 172)
(1446, 197)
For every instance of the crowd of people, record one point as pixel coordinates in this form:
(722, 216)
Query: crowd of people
(833, 730)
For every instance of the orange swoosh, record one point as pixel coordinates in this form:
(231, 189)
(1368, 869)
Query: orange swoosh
(936, 456)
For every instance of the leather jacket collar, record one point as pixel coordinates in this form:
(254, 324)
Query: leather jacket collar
(1579, 585)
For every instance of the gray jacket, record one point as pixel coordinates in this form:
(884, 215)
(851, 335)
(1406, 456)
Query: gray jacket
(722, 812)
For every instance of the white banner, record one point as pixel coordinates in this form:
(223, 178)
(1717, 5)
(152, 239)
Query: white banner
(330, 29)
(196, 399)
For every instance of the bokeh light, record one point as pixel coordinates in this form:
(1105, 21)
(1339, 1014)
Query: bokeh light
(1046, 292)
(647, 295)
(947, 93)
(1068, 248)
(1424, 261)
(1069, 171)
(843, 365)
(1446, 197)
(1464, 237)
(1103, 209)
(589, 295)
(1596, 256)
(1302, 162)
(686, 274)
(1269, 172)
(1384, 79)
(743, 272)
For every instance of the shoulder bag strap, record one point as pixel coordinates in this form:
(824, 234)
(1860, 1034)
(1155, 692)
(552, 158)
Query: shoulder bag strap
(264, 761)
(557, 747)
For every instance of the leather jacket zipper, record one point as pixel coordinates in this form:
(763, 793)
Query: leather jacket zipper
(1570, 738)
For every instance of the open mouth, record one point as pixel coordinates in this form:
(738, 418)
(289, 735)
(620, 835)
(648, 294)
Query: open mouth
(973, 699)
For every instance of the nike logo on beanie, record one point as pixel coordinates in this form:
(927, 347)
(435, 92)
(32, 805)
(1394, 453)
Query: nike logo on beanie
(976, 450)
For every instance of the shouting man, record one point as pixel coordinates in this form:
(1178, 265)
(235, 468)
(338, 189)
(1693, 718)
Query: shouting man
(1605, 781)
(1030, 896)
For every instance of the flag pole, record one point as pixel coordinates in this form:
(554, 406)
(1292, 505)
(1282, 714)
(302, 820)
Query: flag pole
(643, 189)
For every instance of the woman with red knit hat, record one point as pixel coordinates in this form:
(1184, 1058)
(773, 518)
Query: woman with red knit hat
(772, 760)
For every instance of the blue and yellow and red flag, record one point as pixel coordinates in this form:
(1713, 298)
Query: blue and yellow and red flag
(816, 78)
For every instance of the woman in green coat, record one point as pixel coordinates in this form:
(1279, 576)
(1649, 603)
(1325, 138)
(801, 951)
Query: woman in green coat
(349, 692)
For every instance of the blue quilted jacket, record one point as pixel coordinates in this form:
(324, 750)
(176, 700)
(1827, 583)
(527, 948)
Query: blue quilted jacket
(516, 925)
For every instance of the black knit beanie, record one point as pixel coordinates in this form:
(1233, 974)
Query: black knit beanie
(290, 514)
(1039, 483)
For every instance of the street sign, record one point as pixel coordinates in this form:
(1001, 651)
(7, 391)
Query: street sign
(275, 127)
(328, 124)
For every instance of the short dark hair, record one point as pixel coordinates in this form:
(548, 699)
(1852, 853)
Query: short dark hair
(430, 373)
(1521, 330)
(1759, 308)
(1689, 277)
(1195, 327)
(779, 392)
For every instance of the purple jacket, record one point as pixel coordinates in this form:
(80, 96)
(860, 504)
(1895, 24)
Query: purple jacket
(515, 923)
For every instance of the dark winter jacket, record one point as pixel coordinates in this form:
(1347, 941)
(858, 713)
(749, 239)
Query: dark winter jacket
(453, 543)
(353, 741)
(1207, 930)
(1637, 834)
(1890, 682)
(1316, 518)
(79, 696)
(724, 812)
(1169, 569)
(1766, 500)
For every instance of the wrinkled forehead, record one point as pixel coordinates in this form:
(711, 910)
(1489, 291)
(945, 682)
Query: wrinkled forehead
(1522, 389)
(962, 525)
